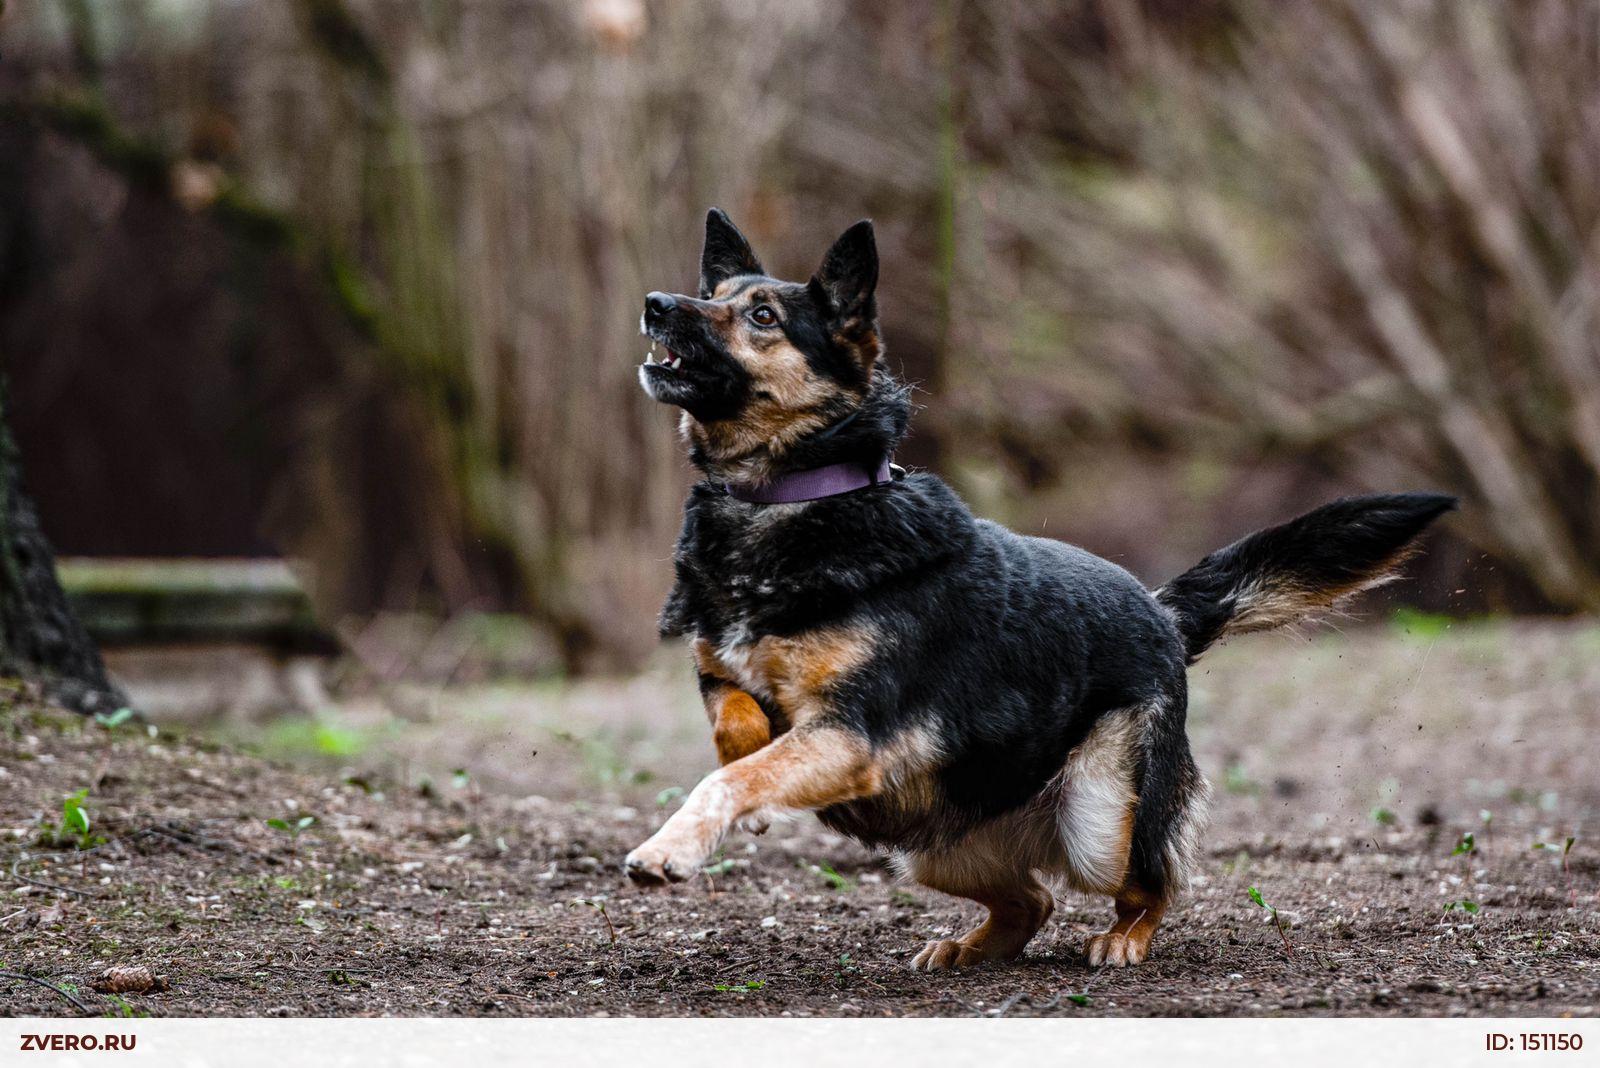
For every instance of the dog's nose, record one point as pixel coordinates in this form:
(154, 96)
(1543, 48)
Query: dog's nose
(658, 304)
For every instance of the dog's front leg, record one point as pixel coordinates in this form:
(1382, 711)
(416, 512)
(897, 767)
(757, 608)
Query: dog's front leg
(738, 725)
(811, 767)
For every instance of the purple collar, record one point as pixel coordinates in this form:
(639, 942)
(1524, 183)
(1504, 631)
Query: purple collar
(814, 484)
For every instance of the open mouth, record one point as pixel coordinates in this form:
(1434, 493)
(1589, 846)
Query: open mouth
(670, 361)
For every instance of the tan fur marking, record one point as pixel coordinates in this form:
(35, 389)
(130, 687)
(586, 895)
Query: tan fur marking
(1284, 601)
(909, 761)
(707, 662)
(823, 766)
(1016, 912)
(864, 347)
(740, 727)
(788, 401)
(797, 670)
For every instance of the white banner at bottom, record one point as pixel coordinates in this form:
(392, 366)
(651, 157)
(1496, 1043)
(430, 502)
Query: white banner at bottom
(813, 1043)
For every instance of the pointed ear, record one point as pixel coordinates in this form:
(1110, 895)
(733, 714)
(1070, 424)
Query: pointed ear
(726, 254)
(848, 276)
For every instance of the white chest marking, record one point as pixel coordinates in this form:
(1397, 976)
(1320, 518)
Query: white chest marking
(738, 656)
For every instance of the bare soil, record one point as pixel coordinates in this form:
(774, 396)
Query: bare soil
(1347, 770)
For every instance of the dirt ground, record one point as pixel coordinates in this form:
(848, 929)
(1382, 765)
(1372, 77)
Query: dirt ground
(1347, 769)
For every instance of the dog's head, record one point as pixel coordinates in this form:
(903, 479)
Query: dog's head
(758, 364)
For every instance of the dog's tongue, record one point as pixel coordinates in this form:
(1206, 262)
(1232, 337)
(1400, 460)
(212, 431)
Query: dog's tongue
(670, 360)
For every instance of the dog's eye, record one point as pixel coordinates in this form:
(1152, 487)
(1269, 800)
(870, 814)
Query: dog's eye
(763, 315)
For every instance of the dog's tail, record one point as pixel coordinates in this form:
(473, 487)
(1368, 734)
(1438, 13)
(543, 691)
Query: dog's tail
(1285, 573)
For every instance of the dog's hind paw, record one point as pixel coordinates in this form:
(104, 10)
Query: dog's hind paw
(947, 954)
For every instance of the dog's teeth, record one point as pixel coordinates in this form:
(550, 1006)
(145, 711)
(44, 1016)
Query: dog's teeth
(652, 344)
(650, 357)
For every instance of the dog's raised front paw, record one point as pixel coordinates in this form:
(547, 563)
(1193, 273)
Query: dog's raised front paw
(755, 823)
(651, 865)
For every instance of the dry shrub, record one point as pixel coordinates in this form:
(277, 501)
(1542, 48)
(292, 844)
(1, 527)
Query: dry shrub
(1358, 233)
(1354, 235)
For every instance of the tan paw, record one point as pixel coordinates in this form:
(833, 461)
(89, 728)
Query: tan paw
(756, 823)
(946, 954)
(654, 863)
(1116, 950)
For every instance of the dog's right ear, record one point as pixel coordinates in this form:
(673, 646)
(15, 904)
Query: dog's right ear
(726, 254)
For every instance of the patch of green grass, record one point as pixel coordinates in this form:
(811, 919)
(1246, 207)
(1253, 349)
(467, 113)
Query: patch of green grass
(1236, 781)
(113, 720)
(748, 984)
(1384, 817)
(599, 905)
(1467, 846)
(293, 828)
(828, 875)
(1419, 625)
(602, 759)
(1277, 921)
(122, 1009)
(298, 737)
(1464, 905)
(848, 970)
(1565, 850)
(73, 829)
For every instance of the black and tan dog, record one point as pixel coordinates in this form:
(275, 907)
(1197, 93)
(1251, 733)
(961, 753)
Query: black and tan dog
(996, 711)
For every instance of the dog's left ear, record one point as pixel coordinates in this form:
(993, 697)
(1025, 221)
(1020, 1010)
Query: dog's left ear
(848, 276)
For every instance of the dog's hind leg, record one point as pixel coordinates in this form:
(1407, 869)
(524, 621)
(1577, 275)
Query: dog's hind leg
(1162, 835)
(1015, 915)
(1128, 941)
(988, 867)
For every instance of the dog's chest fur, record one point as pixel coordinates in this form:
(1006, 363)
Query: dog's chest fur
(746, 571)
(779, 599)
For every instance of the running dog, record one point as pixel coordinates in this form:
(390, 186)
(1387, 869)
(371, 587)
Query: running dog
(997, 712)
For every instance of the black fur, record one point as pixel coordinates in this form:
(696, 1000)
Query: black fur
(1006, 649)
(726, 254)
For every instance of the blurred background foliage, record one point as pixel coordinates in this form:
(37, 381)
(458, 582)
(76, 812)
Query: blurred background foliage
(357, 281)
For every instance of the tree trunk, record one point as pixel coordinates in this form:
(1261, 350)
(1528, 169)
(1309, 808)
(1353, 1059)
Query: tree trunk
(40, 636)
